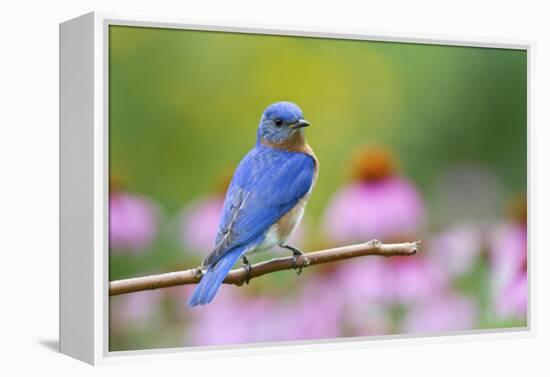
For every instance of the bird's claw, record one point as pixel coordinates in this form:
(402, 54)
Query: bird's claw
(295, 254)
(247, 269)
(295, 266)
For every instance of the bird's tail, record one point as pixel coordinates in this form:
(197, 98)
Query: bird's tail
(213, 278)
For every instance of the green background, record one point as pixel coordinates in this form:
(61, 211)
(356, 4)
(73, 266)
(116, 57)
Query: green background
(184, 105)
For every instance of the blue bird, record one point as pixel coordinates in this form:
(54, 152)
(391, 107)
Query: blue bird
(266, 199)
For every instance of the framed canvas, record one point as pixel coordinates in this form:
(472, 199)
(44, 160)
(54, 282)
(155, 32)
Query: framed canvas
(230, 189)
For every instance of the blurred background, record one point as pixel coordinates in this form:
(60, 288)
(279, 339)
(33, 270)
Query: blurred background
(415, 142)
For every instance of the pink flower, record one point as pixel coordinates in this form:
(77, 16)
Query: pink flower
(199, 222)
(508, 248)
(401, 280)
(365, 280)
(378, 204)
(455, 250)
(230, 319)
(508, 256)
(362, 318)
(135, 308)
(316, 313)
(414, 279)
(370, 287)
(234, 318)
(512, 300)
(445, 313)
(378, 209)
(133, 221)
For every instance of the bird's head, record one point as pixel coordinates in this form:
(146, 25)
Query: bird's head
(281, 122)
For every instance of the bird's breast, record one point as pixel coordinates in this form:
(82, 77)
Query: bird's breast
(296, 143)
(279, 232)
(290, 220)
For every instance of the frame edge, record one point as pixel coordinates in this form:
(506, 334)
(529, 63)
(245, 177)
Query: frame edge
(76, 194)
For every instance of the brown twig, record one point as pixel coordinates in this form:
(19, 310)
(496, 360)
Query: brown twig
(238, 275)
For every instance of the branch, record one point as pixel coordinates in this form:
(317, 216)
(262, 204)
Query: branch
(238, 275)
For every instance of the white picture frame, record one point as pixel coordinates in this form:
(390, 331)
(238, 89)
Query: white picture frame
(84, 187)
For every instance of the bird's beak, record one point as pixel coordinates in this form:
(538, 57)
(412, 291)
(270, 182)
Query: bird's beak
(299, 124)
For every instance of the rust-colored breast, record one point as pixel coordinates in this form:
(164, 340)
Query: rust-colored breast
(290, 220)
(309, 151)
(297, 143)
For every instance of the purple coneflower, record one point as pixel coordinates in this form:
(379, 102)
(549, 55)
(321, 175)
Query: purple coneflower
(134, 309)
(449, 312)
(377, 204)
(508, 256)
(456, 249)
(199, 222)
(133, 221)
(399, 280)
(231, 319)
(236, 318)
(381, 204)
(315, 313)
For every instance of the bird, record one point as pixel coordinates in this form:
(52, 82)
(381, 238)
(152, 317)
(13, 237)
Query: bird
(265, 200)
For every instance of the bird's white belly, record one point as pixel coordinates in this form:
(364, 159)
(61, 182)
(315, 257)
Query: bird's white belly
(271, 240)
(279, 232)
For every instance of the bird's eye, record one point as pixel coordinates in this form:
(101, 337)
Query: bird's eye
(278, 122)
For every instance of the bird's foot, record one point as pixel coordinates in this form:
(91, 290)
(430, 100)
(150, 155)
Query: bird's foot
(247, 269)
(295, 254)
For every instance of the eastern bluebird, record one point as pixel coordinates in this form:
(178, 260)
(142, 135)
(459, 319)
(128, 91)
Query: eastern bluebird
(266, 199)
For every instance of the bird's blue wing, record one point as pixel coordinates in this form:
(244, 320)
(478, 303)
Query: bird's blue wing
(266, 185)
